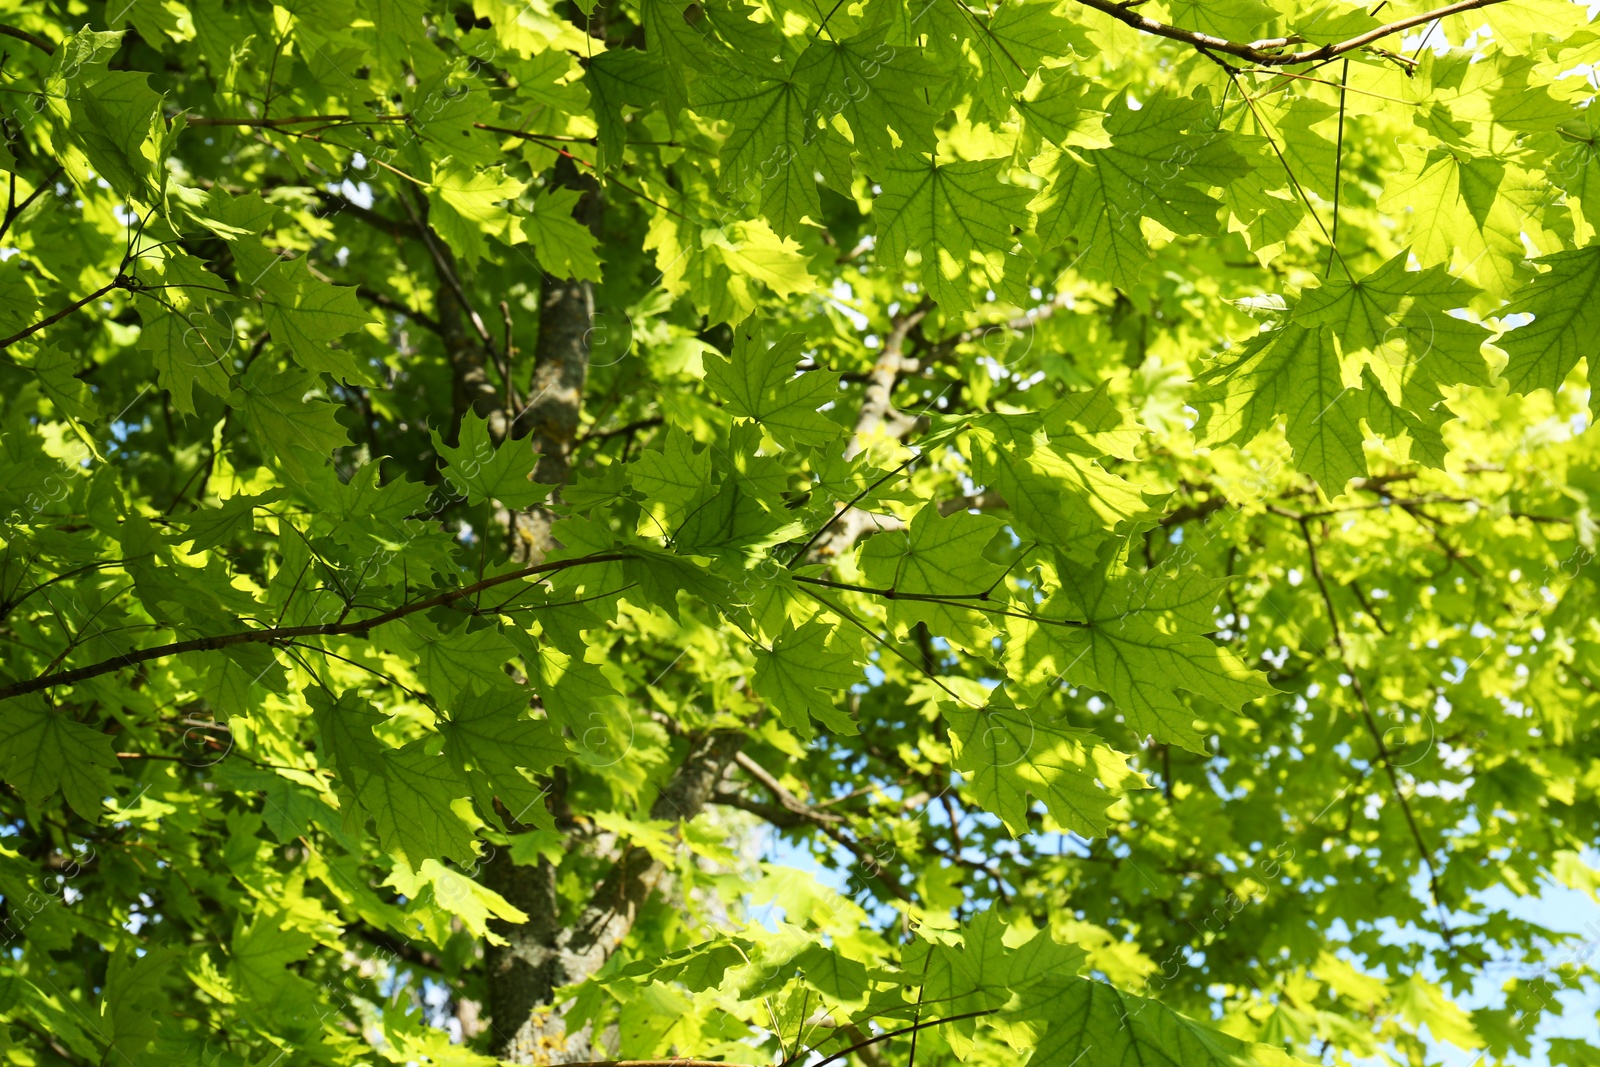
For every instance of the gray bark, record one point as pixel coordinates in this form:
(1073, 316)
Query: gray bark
(543, 954)
(560, 371)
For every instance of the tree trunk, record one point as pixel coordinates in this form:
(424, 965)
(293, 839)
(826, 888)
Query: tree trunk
(560, 371)
(541, 955)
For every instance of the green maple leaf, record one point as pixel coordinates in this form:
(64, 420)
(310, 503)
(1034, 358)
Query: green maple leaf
(466, 205)
(451, 662)
(937, 556)
(1566, 320)
(415, 1042)
(1359, 311)
(496, 746)
(57, 373)
(529, 27)
(1054, 107)
(1331, 21)
(131, 1002)
(1080, 1016)
(439, 887)
(1311, 157)
(261, 954)
(662, 575)
(1009, 47)
(1137, 642)
(836, 73)
(563, 245)
(670, 479)
(836, 976)
(44, 754)
(409, 802)
(586, 700)
(798, 675)
(113, 120)
(733, 519)
(306, 313)
(286, 423)
(397, 25)
(1091, 423)
(982, 973)
(1007, 755)
(617, 79)
(762, 157)
(210, 527)
(1391, 420)
(18, 304)
(187, 349)
(1057, 497)
(1159, 164)
(362, 508)
(682, 49)
(406, 792)
(703, 967)
(958, 217)
(483, 471)
(232, 217)
(1237, 20)
(1390, 303)
(1296, 372)
(1466, 206)
(1414, 318)
(1576, 170)
(759, 383)
(576, 693)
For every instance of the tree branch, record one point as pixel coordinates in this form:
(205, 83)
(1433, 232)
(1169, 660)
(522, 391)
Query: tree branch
(372, 218)
(292, 120)
(1269, 53)
(877, 407)
(471, 389)
(389, 303)
(119, 282)
(23, 35)
(277, 634)
(396, 947)
(837, 515)
(14, 209)
(1372, 728)
(792, 811)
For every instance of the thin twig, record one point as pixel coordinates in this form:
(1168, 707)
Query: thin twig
(447, 272)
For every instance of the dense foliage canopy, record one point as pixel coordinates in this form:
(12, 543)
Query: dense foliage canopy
(792, 531)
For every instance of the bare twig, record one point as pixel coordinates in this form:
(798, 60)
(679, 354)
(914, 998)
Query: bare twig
(23, 35)
(1270, 53)
(1372, 728)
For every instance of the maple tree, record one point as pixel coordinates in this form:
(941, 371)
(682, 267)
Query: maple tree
(788, 532)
